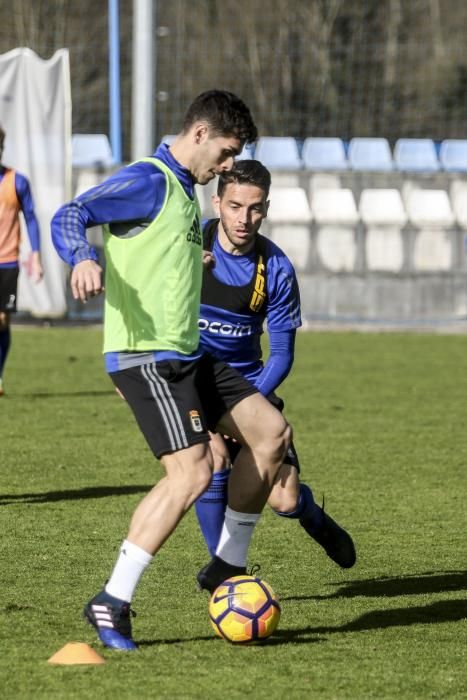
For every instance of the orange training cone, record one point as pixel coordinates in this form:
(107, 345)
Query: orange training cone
(76, 653)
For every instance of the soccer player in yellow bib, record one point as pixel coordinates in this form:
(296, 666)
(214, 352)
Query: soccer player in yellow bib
(153, 250)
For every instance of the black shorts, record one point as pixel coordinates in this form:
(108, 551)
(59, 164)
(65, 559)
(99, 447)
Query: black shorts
(291, 456)
(8, 288)
(175, 402)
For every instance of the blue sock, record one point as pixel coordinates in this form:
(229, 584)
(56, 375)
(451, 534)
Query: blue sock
(306, 509)
(5, 338)
(210, 509)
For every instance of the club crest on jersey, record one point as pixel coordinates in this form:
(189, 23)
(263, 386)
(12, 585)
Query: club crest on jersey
(196, 421)
(259, 294)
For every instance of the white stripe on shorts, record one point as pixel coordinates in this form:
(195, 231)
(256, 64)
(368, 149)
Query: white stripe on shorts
(167, 406)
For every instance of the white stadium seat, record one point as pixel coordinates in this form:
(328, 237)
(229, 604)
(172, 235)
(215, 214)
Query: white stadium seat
(383, 214)
(458, 192)
(332, 205)
(91, 151)
(431, 214)
(335, 214)
(204, 202)
(288, 204)
(429, 208)
(288, 223)
(382, 207)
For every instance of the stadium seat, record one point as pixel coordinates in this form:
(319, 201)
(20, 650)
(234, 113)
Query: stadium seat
(168, 138)
(372, 154)
(288, 204)
(431, 214)
(416, 155)
(204, 202)
(382, 207)
(383, 215)
(453, 155)
(91, 151)
(458, 194)
(324, 154)
(429, 208)
(288, 223)
(248, 152)
(278, 152)
(335, 215)
(323, 181)
(331, 205)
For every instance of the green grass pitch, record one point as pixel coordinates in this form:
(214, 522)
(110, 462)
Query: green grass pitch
(380, 424)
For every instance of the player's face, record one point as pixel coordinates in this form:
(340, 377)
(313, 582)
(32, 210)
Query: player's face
(214, 154)
(241, 209)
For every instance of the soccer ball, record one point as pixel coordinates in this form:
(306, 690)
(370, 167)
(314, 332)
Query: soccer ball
(244, 609)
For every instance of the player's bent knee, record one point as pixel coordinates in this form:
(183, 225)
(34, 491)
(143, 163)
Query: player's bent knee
(282, 500)
(280, 439)
(199, 485)
(220, 462)
(196, 484)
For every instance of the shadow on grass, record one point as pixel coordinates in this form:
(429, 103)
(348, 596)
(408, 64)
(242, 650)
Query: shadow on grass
(434, 613)
(277, 639)
(58, 394)
(391, 586)
(74, 494)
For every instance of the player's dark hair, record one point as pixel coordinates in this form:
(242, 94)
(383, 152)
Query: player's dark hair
(2, 134)
(226, 114)
(245, 172)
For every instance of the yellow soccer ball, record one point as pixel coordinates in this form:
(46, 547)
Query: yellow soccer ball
(244, 609)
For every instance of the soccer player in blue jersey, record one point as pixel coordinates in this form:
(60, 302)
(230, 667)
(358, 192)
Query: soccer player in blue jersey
(153, 250)
(250, 282)
(15, 196)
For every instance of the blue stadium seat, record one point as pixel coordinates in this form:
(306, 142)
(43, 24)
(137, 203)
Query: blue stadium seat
(278, 152)
(91, 151)
(367, 153)
(416, 155)
(453, 155)
(248, 152)
(169, 138)
(324, 153)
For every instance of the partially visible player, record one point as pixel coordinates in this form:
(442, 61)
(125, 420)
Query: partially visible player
(15, 196)
(252, 281)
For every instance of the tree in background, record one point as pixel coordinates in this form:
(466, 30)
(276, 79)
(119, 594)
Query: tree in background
(307, 67)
